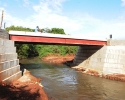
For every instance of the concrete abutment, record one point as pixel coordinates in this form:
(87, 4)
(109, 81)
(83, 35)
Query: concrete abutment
(103, 59)
(84, 52)
(9, 64)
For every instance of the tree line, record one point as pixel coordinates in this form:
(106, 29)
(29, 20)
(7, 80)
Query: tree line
(43, 30)
(41, 50)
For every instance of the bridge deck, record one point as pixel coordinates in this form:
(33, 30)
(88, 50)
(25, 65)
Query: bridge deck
(22, 36)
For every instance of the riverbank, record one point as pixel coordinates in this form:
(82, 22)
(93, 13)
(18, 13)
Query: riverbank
(58, 59)
(27, 87)
(115, 76)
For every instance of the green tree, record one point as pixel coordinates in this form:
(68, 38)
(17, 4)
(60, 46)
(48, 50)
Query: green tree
(46, 30)
(44, 50)
(19, 28)
(22, 50)
(57, 31)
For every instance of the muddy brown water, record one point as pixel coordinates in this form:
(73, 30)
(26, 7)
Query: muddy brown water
(63, 83)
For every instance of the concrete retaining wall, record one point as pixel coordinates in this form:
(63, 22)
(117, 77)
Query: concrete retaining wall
(107, 60)
(9, 64)
(85, 52)
(111, 42)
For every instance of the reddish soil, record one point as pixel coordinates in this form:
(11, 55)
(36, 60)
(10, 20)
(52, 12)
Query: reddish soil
(25, 88)
(57, 59)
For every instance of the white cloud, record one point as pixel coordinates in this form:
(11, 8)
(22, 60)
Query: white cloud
(123, 2)
(54, 5)
(48, 14)
(26, 3)
(104, 29)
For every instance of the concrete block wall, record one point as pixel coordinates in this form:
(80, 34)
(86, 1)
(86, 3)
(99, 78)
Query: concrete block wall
(112, 42)
(9, 64)
(85, 52)
(107, 60)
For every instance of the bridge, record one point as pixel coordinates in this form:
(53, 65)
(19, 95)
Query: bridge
(93, 53)
(49, 38)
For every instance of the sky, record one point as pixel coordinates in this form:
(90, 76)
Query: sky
(95, 18)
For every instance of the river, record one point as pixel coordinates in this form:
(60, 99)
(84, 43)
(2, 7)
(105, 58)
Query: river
(64, 83)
